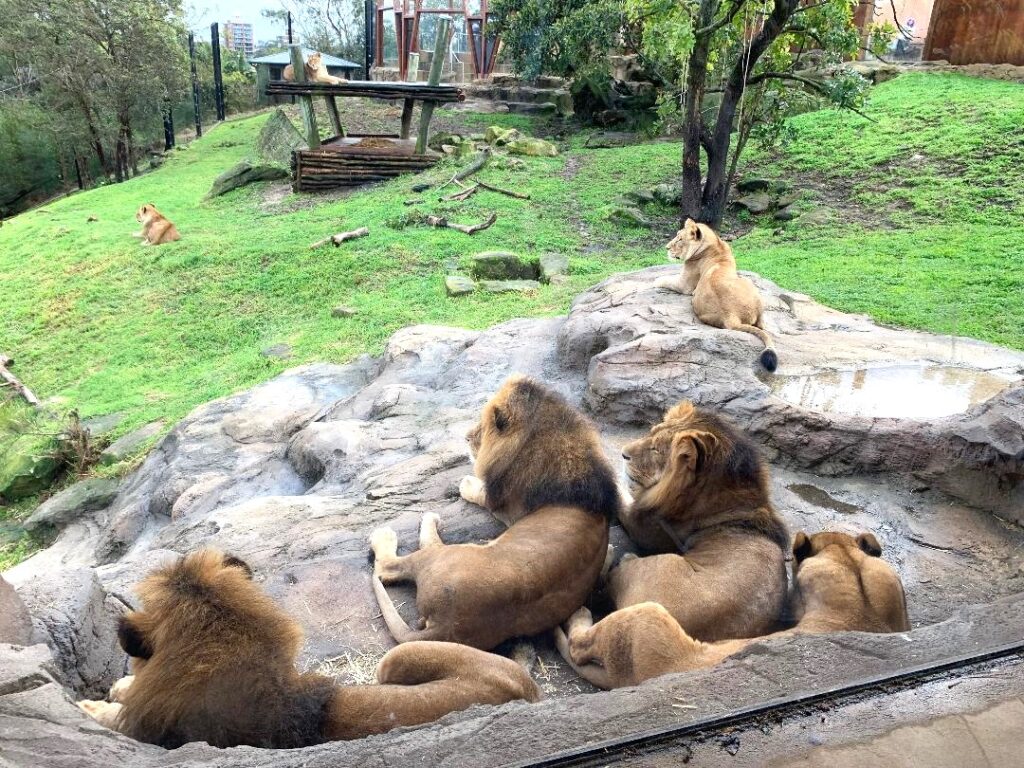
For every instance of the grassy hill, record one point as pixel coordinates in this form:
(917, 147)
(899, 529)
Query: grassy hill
(923, 226)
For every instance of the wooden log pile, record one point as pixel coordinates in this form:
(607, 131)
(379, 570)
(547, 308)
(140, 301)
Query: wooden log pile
(324, 169)
(370, 89)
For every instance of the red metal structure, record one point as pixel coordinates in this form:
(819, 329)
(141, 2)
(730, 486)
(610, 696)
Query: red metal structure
(483, 48)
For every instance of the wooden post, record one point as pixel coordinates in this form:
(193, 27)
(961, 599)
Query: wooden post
(407, 107)
(195, 85)
(308, 115)
(436, 63)
(218, 78)
(168, 125)
(332, 113)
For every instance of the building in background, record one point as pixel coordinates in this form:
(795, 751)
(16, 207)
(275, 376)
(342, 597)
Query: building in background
(238, 36)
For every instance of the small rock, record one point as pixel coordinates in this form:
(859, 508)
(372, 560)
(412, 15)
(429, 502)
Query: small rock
(458, 285)
(280, 351)
(753, 185)
(785, 215)
(92, 219)
(627, 216)
(101, 425)
(342, 311)
(668, 194)
(641, 196)
(559, 279)
(502, 265)
(86, 496)
(817, 217)
(510, 286)
(440, 139)
(245, 173)
(28, 465)
(551, 265)
(532, 148)
(477, 137)
(420, 187)
(15, 622)
(130, 444)
(788, 198)
(759, 202)
(499, 136)
(612, 140)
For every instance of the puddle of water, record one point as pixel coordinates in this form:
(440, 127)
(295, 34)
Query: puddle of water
(901, 391)
(822, 498)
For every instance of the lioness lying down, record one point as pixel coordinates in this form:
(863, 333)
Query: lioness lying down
(701, 491)
(721, 298)
(214, 661)
(541, 469)
(316, 71)
(840, 583)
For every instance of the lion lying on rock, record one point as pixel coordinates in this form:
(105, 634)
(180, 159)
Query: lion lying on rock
(840, 584)
(721, 298)
(214, 661)
(701, 492)
(541, 469)
(316, 71)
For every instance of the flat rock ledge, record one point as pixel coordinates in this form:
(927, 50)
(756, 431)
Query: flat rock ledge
(293, 474)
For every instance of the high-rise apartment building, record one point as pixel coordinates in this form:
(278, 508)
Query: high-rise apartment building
(238, 36)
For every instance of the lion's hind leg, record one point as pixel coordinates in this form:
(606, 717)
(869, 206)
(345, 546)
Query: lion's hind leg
(103, 712)
(387, 565)
(575, 643)
(429, 537)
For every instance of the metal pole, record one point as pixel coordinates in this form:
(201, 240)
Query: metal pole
(168, 125)
(218, 77)
(195, 84)
(369, 36)
(290, 41)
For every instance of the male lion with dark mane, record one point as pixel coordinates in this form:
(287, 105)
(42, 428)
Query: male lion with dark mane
(541, 469)
(701, 492)
(840, 583)
(721, 297)
(214, 661)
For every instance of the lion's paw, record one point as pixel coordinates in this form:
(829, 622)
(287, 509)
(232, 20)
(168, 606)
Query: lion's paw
(672, 283)
(428, 530)
(581, 620)
(120, 689)
(102, 712)
(472, 489)
(384, 542)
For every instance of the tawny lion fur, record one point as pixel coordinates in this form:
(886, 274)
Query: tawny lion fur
(700, 488)
(316, 71)
(214, 660)
(721, 297)
(840, 584)
(156, 228)
(541, 469)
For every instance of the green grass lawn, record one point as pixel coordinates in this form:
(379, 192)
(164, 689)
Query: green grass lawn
(927, 231)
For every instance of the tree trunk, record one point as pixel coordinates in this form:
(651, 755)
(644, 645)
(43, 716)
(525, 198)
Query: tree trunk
(133, 154)
(695, 82)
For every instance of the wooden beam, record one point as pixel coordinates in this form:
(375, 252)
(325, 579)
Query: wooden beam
(11, 380)
(407, 107)
(308, 115)
(332, 113)
(444, 25)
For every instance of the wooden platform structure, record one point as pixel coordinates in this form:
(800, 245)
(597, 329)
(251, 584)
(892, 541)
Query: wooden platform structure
(345, 161)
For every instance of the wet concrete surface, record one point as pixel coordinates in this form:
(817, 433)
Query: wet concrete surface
(899, 391)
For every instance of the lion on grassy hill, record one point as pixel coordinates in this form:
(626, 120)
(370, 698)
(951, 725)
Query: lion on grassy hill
(156, 228)
(214, 661)
(316, 71)
(541, 469)
(721, 297)
(840, 584)
(701, 492)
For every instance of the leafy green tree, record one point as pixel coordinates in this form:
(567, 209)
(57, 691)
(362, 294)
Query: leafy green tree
(726, 70)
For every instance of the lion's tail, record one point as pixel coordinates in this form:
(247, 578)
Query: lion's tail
(399, 630)
(769, 359)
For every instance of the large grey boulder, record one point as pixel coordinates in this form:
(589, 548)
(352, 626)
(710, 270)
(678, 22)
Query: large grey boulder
(81, 498)
(246, 172)
(293, 475)
(15, 622)
(128, 445)
(278, 139)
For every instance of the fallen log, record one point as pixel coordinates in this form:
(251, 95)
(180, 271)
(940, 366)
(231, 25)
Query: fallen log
(463, 194)
(341, 237)
(510, 193)
(440, 221)
(12, 381)
(481, 159)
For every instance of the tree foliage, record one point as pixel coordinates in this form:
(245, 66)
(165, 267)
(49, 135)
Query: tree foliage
(726, 70)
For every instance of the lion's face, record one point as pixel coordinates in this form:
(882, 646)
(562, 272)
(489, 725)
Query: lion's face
(145, 212)
(846, 573)
(690, 241)
(673, 453)
(314, 62)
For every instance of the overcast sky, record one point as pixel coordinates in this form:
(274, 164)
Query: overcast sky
(202, 14)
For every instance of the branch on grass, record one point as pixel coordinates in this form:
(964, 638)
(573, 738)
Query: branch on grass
(510, 193)
(478, 162)
(341, 237)
(12, 381)
(464, 194)
(441, 221)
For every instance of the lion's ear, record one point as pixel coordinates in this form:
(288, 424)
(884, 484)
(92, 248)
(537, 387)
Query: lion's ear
(801, 546)
(132, 640)
(230, 561)
(869, 544)
(698, 233)
(692, 449)
(683, 410)
(500, 420)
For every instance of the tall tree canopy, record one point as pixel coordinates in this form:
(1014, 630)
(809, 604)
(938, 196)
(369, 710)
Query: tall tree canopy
(726, 69)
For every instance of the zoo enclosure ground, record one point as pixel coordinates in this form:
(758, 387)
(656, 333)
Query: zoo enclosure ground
(917, 221)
